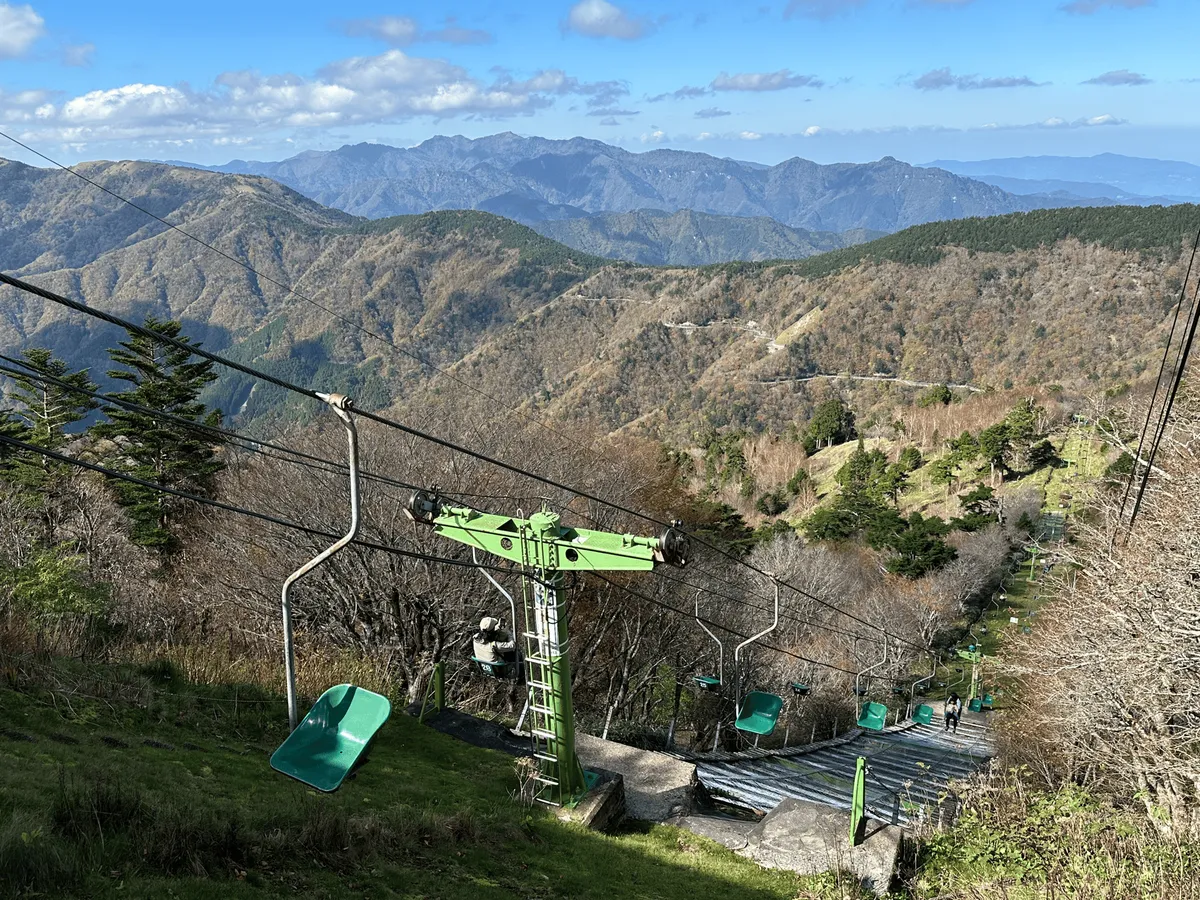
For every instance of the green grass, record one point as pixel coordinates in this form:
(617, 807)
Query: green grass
(100, 798)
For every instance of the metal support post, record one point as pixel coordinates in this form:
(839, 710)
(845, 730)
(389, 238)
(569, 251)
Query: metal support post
(858, 803)
(341, 406)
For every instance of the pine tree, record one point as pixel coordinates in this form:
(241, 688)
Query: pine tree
(45, 411)
(162, 377)
(48, 408)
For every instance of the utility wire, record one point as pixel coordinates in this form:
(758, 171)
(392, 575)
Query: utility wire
(689, 615)
(228, 507)
(1180, 365)
(245, 442)
(286, 288)
(1158, 381)
(407, 429)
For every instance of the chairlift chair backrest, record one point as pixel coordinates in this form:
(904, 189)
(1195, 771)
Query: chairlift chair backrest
(758, 711)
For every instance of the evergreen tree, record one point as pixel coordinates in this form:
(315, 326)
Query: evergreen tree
(48, 409)
(920, 547)
(994, 447)
(832, 423)
(162, 377)
(911, 459)
(11, 426)
(45, 411)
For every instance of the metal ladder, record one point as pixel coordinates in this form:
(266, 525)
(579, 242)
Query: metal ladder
(540, 681)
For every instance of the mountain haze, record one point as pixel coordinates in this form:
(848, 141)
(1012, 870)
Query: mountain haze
(1126, 176)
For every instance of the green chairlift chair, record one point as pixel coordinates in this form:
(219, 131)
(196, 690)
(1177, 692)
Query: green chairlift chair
(710, 684)
(504, 670)
(873, 716)
(800, 690)
(923, 714)
(975, 705)
(988, 701)
(757, 712)
(333, 738)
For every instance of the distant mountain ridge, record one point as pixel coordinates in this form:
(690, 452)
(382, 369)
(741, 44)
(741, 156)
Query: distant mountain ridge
(1129, 178)
(536, 179)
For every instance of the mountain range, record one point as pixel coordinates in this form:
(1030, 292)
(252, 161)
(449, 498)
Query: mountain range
(1127, 179)
(1077, 297)
(558, 186)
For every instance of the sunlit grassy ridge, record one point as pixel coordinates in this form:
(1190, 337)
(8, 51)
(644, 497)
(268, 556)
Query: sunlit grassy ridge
(101, 798)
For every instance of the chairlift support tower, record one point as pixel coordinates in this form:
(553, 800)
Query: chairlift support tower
(545, 550)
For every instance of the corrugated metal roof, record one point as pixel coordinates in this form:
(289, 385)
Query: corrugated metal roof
(908, 769)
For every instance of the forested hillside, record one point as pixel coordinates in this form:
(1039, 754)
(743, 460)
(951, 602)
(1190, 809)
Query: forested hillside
(689, 238)
(532, 323)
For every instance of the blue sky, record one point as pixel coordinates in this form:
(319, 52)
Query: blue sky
(828, 80)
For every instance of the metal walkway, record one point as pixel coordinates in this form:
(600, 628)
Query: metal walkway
(908, 770)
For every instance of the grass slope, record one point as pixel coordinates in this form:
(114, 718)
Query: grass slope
(173, 796)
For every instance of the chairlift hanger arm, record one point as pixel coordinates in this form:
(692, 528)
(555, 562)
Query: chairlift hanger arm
(569, 549)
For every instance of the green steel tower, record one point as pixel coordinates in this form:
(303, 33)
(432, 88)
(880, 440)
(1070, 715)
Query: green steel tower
(545, 549)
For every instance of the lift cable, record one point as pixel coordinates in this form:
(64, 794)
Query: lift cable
(229, 507)
(1181, 362)
(741, 602)
(407, 429)
(1161, 369)
(689, 615)
(308, 461)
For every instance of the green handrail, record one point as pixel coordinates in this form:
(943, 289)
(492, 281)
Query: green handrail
(435, 689)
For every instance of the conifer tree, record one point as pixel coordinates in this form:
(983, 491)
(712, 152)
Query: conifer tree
(161, 377)
(48, 409)
(45, 410)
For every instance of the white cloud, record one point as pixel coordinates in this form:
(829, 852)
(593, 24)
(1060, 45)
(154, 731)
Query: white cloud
(820, 9)
(1119, 78)
(938, 79)
(20, 26)
(684, 93)
(1087, 7)
(1085, 122)
(599, 18)
(556, 81)
(764, 81)
(611, 112)
(390, 87)
(78, 55)
(750, 136)
(653, 137)
(812, 130)
(400, 31)
(134, 102)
